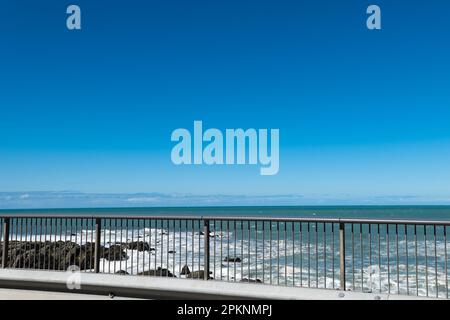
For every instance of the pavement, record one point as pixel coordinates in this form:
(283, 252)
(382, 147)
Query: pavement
(17, 294)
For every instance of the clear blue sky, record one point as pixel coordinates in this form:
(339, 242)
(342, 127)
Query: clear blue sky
(361, 113)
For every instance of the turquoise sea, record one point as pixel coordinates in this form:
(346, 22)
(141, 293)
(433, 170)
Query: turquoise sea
(388, 212)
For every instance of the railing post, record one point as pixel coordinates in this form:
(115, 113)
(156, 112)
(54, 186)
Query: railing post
(98, 231)
(5, 246)
(342, 255)
(206, 249)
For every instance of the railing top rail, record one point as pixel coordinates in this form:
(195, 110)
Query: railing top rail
(235, 218)
(396, 221)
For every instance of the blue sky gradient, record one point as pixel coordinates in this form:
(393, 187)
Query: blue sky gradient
(362, 114)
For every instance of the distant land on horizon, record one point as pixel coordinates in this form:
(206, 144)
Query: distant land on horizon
(76, 200)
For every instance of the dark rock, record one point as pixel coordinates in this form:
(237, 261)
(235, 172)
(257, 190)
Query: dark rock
(251, 280)
(160, 272)
(200, 274)
(50, 255)
(138, 245)
(185, 270)
(232, 259)
(122, 272)
(115, 253)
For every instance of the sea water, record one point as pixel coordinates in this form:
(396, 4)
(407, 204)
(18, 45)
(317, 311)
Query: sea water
(387, 212)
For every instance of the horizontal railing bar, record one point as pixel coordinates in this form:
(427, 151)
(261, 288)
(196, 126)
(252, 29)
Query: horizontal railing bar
(238, 218)
(134, 217)
(395, 221)
(178, 217)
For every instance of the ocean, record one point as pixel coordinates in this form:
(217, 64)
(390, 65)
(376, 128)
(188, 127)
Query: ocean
(388, 212)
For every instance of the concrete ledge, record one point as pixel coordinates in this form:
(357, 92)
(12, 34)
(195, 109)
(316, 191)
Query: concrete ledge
(171, 288)
(21, 294)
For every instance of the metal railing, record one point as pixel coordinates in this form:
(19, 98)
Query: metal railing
(369, 255)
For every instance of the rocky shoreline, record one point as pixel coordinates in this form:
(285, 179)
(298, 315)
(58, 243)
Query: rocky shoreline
(60, 255)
